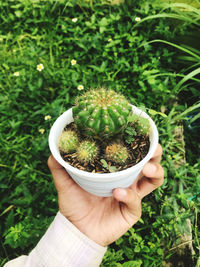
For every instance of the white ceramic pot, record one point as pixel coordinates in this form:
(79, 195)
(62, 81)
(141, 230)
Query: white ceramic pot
(100, 184)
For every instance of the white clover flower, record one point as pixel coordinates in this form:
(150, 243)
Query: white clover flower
(74, 20)
(16, 73)
(80, 87)
(40, 67)
(48, 117)
(137, 19)
(41, 131)
(73, 62)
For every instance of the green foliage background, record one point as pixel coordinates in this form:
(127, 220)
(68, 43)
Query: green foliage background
(112, 49)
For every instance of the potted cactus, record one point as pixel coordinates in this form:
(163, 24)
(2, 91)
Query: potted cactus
(103, 141)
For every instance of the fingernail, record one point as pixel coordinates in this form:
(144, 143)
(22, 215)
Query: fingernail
(122, 192)
(152, 168)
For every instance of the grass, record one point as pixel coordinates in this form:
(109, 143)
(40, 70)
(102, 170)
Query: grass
(147, 61)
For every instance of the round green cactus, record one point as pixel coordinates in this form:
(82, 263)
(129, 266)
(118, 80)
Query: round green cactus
(101, 113)
(68, 141)
(87, 151)
(117, 153)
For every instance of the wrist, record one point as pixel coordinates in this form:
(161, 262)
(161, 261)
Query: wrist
(87, 232)
(64, 245)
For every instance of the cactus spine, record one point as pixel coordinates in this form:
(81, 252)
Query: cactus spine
(87, 151)
(101, 113)
(117, 153)
(68, 141)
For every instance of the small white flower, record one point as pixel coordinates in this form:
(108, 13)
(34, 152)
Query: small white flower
(74, 20)
(16, 73)
(80, 87)
(73, 62)
(48, 117)
(137, 19)
(41, 131)
(40, 67)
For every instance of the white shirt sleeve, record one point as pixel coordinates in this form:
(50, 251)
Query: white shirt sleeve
(63, 245)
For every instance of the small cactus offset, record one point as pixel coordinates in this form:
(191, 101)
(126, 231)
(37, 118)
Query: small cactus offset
(143, 126)
(87, 151)
(140, 124)
(117, 153)
(101, 113)
(68, 141)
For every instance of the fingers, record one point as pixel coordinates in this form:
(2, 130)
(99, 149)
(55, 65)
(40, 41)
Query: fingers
(157, 155)
(153, 177)
(60, 176)
(129, 197)
(156, 158)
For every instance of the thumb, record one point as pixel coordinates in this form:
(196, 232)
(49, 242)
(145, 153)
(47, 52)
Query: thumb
(61, 178)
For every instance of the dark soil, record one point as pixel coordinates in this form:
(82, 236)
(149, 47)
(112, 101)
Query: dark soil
(138, 149)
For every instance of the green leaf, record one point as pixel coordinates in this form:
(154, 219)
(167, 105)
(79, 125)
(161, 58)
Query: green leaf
(75, 77)
(168, 15)
(137, 263)
(130, 131)
(93, 18)
(112, 169)
(5, 66)
(39, 82)
(102, 29)
(88, 24)
(113, 43)
(154, 112)
(176, 46)
(69, 4)
(6, 210)
(18, 13)
(103, 22)
(141, 221)
(186, 78)
(129, 139)
(119, 241)
(146, 249)
(160, 251)
(103, 66)
(105, 164)
(137, 249)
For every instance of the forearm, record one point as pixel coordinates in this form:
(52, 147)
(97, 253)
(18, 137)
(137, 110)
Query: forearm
(62, 245)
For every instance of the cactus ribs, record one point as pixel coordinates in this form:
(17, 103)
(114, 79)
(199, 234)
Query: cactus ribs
(103, 113)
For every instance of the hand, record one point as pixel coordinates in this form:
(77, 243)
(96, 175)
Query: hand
(105, 219)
